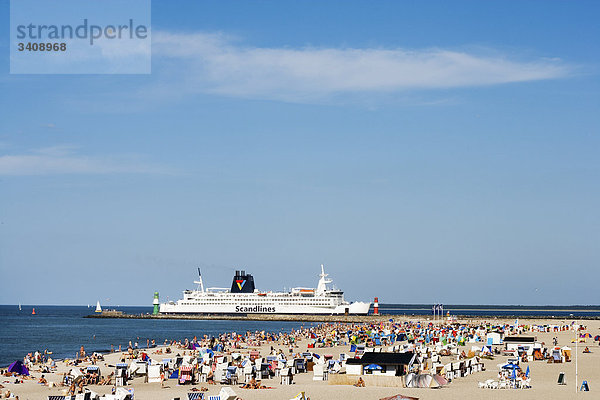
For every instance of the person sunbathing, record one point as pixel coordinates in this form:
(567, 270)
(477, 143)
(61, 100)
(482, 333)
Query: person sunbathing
(587, 350)
(360, 383)
(43, 380)
(105, 381)
(253, 384)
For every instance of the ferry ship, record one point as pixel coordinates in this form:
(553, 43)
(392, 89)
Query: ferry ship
(244, 298)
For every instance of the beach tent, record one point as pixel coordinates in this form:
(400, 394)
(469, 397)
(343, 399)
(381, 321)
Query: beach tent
(18, 368)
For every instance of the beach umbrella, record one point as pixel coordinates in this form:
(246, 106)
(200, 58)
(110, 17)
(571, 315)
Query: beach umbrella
(373, 367)
(597, 337)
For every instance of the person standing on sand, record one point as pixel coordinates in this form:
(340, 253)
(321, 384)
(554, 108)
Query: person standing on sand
(162, 378)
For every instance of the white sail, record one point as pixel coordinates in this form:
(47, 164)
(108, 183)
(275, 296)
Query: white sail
(98, 308)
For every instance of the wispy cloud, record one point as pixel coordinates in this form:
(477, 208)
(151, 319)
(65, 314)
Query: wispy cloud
(216, 63)
(64, 159)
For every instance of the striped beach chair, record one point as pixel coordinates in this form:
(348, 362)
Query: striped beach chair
(195, 396)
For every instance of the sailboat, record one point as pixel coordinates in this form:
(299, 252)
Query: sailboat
(19, 306)
(98, 308)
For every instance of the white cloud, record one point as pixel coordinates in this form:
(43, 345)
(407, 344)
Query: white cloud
(63, 160)
(214, 63)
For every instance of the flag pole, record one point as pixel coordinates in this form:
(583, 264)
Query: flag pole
(576, 346)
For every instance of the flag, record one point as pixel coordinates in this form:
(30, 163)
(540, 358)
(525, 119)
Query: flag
(527, 372)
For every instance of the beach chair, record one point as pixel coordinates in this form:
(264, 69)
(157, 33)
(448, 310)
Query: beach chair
(318, 372)
(286, 376)
(154, 373)
(231, 377)
(121, 375)
(186, 374)
(247, 372)
(204, 371)
(264, 371)
(195, 396)
(219, 375)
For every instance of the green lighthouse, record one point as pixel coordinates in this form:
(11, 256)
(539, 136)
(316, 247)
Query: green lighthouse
(155, 302)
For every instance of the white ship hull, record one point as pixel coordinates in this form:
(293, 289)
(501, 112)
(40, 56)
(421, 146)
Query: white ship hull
(176, 308)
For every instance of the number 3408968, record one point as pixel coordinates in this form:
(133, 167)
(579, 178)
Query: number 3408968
(41, 46)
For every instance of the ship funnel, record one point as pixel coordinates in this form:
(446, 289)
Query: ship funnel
(242, 283)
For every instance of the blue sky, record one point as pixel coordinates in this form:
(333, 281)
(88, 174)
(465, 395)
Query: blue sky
(423, 151)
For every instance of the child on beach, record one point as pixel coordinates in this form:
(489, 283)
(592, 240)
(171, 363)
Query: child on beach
(360, 383)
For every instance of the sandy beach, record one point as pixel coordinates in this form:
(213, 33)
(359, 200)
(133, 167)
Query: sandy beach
(544, 375)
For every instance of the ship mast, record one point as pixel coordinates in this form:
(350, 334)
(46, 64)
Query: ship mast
(199, 282)
(323, 281)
